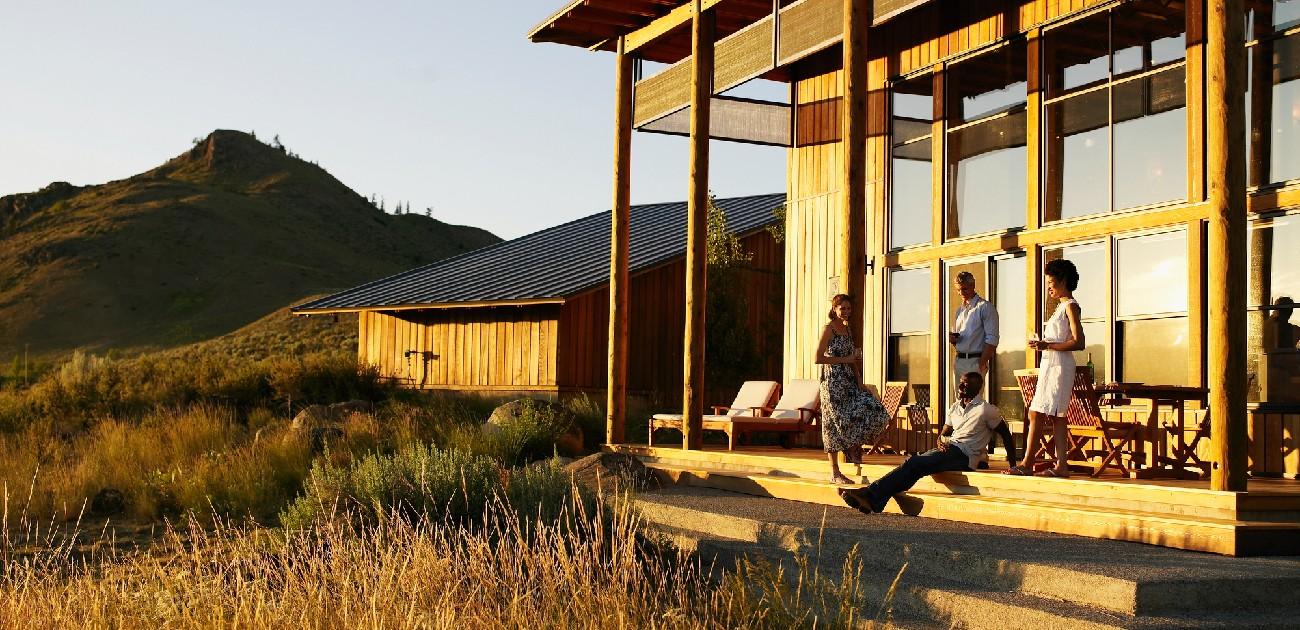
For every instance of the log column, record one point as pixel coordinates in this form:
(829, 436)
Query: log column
(703, 28)
(616, 399)
(852, 251)
(1225, 75)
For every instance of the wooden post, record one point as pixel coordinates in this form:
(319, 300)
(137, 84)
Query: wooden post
(616, 399)
(1225, 75)
(852, 261)
(697, 223)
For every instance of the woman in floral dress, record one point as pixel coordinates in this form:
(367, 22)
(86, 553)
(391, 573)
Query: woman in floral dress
(851, 416)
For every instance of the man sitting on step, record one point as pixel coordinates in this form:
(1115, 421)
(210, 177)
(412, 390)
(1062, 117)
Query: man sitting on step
(970, 424)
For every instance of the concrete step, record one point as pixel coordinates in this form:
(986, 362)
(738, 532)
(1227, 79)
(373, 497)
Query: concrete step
(954, 586)
(1150, 590)
(1080, 491)
(1194, 533)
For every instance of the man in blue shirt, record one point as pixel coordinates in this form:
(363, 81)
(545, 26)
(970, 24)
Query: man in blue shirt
(974, 334)
(970, 424)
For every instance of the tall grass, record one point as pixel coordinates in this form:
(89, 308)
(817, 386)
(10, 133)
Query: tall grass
(593, 570)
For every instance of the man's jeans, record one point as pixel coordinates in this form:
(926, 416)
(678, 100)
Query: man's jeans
(902, 479)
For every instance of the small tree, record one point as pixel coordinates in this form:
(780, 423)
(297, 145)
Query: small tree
(730, 355)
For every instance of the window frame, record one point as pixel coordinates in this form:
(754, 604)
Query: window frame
(929, 138)
(1252, 42)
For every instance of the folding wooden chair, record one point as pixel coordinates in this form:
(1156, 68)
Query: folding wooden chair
(1116, 439)
(892, 399)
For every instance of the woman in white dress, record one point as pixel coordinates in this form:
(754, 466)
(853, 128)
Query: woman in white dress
(1062, 335)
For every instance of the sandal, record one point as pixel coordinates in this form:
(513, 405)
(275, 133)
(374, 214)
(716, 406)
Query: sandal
(1018, 471)
(1052, 472)
(841, 480)
(855, 500)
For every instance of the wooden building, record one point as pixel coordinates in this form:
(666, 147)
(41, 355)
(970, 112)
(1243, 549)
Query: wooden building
(1155, 143)
(530, 315)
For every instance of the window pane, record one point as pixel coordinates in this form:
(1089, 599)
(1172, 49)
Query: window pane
(1155, 351)
(1152, 274)
(1090, 260)
(909, 300)
(988, 84)
(1273, 360)
(909, 359)
(1150, 140)
(911, 195)
(1274, 262)
(912, 108)
(987, 176)
(1094, 350)
(1009, 298)
(1076, 55)
(1273, 114)
(1078, 156)
(1286, 13)
(1147, 34)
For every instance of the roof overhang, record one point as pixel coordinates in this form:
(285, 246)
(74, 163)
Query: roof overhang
(659, 30)
(425, 306)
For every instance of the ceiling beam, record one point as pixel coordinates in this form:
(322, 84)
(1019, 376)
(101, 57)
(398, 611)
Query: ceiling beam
(676, 18)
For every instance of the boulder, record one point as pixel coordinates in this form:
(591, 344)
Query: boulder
(345, 409)
(107, 502)
(313, 416)
(612, 472)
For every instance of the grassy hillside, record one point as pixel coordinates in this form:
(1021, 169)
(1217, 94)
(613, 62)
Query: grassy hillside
(198, 247)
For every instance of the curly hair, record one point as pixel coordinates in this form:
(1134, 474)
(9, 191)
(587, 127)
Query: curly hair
(839, 299)
(1064, 271)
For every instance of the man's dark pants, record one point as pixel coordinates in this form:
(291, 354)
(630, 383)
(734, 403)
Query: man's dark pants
(902, 479)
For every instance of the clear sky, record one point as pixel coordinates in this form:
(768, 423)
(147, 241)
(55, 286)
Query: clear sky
(443, 104)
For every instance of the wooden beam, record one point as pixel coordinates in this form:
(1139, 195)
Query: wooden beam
(697, 225)
(616, 385)
(425, 306)
(851, 263)
(681, 16)
(1225, 74)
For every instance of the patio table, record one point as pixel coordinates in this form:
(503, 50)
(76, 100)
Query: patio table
(1177, 459)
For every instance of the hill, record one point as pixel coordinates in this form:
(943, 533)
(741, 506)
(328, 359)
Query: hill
(215, 238)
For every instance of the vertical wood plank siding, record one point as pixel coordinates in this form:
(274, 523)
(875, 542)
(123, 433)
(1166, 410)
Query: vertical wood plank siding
(493, 349)
(550, 348)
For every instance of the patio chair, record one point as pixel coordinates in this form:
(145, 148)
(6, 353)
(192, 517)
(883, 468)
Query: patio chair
(892, 399)
(752, 395)
(1091, 436)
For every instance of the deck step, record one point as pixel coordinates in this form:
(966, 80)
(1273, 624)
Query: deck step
(1170, 500)
(1222, 536)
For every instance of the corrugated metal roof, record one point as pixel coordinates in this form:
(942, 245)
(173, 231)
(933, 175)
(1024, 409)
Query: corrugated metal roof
(554, 263)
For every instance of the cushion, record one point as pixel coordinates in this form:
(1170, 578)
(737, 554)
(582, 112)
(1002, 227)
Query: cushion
(798, 394)
(753, 394)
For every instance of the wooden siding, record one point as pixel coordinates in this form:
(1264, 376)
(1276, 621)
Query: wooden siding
(812, 216)
(655, 326)
(488, 349)
(554, 348)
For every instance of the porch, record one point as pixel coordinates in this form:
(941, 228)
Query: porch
(1180, 514)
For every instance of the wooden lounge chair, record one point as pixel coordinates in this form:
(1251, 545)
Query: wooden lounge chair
(892, 399)
(752, 395)
(1091, 436)
(796, 412)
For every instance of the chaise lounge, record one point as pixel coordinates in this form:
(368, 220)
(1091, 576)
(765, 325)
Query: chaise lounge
(752, 411)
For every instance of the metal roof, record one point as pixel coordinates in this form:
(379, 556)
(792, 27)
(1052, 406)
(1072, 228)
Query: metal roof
(549, 265)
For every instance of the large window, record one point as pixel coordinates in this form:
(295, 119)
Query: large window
(1115, 123)
(1146, 303)
(1273, 338)
(1009, 293)
(1151, 308)
(909, 326)
(911, 176)
(986, 142)
(1273, 91)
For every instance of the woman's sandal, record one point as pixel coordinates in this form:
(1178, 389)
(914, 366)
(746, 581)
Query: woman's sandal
(1052, 472)
(841, 480)
(1018, 471)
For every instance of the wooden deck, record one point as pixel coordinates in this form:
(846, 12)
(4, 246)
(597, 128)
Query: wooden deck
(1183, 514)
